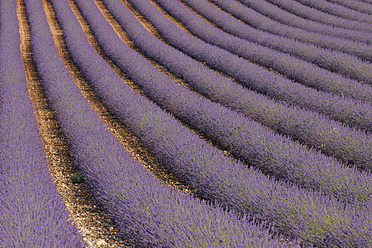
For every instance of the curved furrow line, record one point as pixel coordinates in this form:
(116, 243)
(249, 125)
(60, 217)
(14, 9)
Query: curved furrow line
(350, 111)
(306, 126)
(287, 64)
(335, 9)
(89, 219)
(333, 38)
(204, 167)
(32, 212)
(146, 211)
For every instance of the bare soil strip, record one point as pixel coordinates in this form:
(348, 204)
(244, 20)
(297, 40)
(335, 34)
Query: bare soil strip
(96, 229)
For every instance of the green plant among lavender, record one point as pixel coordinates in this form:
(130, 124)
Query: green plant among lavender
(77, 177)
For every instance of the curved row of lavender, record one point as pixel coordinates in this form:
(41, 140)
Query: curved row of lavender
(350, 111)
(32, 213)
(336, 9)
(295, 212)
(336, 61)
(283, 16)
(365, 1)
(359, 5)
(293, 68)
(335, 42)
(249, 141)
(333, 138)
(310, 13)
(146, 211)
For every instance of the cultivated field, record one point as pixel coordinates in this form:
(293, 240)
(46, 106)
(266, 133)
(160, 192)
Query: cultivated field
(185, 123)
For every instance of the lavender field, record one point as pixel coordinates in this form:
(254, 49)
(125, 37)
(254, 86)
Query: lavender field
(185, 123)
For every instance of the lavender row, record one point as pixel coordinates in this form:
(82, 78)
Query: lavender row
(333, 138)
(293, 211)
(365, 1)
(294, 68)
(146, 211)
(361, 6)
(352, 112)
(336, 9)
(247, 140)
(262, 22)
(279, 14)
(313, 14)
(252, 143)
(32, 213)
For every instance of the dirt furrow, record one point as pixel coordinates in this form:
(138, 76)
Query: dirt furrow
(96, 229)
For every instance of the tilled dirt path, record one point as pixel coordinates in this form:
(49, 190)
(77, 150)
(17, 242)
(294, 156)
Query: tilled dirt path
(96, 229)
